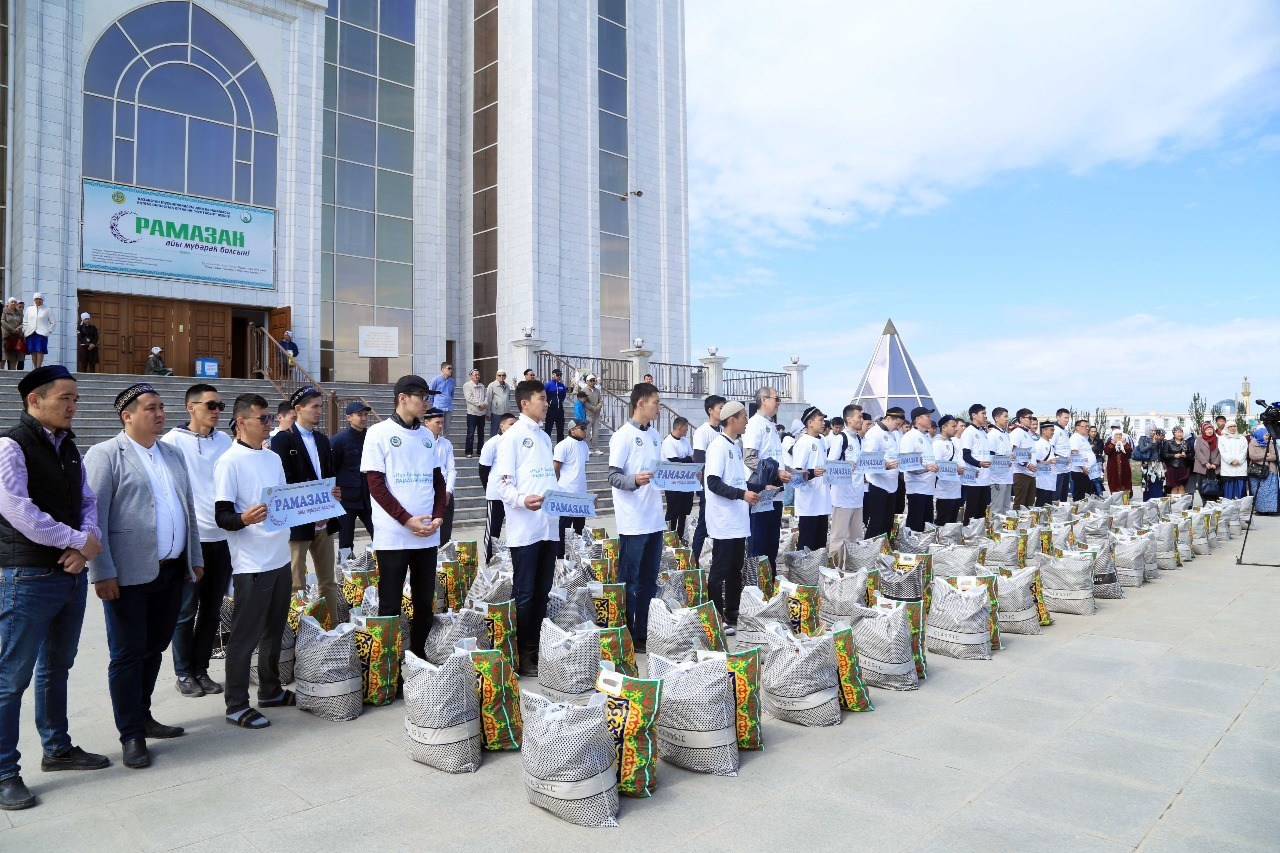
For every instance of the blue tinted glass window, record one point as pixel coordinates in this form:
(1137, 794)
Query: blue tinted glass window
(109, 57)
(395, 193)
(614, 10)
(97, 138)
(362, 12)
(395, 284)
(613, 48)
(208, 63)
(264, 170)
(124, 162)
(356, 139)
(395, 104)
(213, 36)
(353, 279)
(614, 255)
(244, 183)
(243, 116)
(613, 133)
(328, 180)
(209, 159)
(186, 89)
(397, 19)
(162, 145)
(244, 146)
(613, 214)
(613, 173)
(358, 49)
(169, 53)
(395, 149)
(157, 24)
(357, 93)
(613, 93)
(402, 320)
(396, 61)
(124, 120)
(254, 83)
(355, 185)
(330, 133)
(354, 233)
(330, 41)
(395, 239)
(129, 80)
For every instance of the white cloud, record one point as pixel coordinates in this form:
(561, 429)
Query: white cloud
(831, 111)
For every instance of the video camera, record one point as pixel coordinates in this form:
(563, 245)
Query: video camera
(1270, 418)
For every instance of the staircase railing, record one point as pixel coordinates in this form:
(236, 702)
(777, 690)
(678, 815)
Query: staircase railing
(743, 384)
(277, 365)
(614, 408)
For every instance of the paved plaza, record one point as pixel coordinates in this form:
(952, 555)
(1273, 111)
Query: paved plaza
(1154, 724)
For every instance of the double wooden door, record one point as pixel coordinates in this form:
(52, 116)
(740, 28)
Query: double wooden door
(129, 326)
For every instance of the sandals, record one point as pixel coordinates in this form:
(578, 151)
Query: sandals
(286, 698)
(248, 719)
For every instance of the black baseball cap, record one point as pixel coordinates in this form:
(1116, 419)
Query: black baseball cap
(412, 384)
(918, 411)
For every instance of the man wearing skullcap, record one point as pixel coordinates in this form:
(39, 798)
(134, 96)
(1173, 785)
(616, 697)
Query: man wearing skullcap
(882, 487)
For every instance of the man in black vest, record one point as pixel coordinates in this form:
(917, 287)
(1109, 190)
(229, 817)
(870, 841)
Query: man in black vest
(48, 531)
(306, 456)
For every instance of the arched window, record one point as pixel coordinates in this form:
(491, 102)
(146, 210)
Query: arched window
(173, 100)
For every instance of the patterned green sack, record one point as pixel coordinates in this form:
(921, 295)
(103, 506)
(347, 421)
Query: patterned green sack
(469, 560)
(301, 604)
(631, 712)
(803, 605)
(694, 582)
(757, 572)
(610, 602)
(612, 547)
(853, 692)
(450, 592)
(744, 675)
(617, 647)
(378, 645)
(355, 583)
(501, 726)
(500, 628)
(670, 539)
(712, 626)
(604, 570)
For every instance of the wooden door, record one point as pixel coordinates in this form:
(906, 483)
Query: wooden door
(109, 313)
(279, 321)
(151, 324)
(210, 337)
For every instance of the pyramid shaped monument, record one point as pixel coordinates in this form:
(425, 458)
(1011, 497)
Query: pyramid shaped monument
(891, 379)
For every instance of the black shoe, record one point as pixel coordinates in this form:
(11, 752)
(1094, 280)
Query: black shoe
(74, 758)
(159, 731)
(640, 649)
(188, 686)
(14, 795)
(528, 663)
(136, 754)
(207, 684)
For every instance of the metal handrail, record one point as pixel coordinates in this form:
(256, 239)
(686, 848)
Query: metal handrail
(743, 384)
(614, 374)
(614, 409)
(679, 378)
(275, 364)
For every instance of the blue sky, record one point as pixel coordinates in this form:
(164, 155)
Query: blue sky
(1101, 227)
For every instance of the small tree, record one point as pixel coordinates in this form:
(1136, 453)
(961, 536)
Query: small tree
(1199, 405)
(1242, 425)
(1098, 417)
(1126, 423)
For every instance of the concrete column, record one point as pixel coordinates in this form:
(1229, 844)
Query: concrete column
(795, 374)
(525, 355)
(639, 358)
(714, 365)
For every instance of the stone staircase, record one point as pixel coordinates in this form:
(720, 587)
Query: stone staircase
(96, 421)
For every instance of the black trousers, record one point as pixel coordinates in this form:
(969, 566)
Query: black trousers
(948, 510)
(877, 511)
(258, 622)
(679, 505)
(446, 524)
(727, 559)
(475, 428)
(496, 514)
(1082, 486)
(197, 627)
(567, 521)
(420, 565)
(555, 417)
(1044, 497)
(812, 531)
(700, 530)
(919, 511)
(766, 534)
(534, 567)
(139, 628)
(347, 524)
(976, 501)
(1064, 482)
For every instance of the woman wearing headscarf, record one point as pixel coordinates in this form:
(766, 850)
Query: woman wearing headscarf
(1234, 449)
(1206, 459)
(1118, 451)
(1263, 477)
(11, 329)
(1153, 468)
(1176, 456)
(87, 344)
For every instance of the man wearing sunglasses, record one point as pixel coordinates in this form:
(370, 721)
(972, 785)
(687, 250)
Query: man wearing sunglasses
(201, 444)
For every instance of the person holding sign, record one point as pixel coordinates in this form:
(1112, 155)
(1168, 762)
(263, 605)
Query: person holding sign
(570, 460)
(762, 447)
(410, 496)
(1082, 460)
(976, 455)
(946, 488)
(677, 448)
(882, 486)
(919, 483)
(1062, 450)
(813, 499)
(999, 444)
(728, 509)
(261, 576)
(702, 437)
(525, 471)
(634, 451)
(1022, 442)
(846, 499)
(1044, 458)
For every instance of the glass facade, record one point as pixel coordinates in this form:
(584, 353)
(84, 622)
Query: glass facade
(367, 219)
(173, 100)
(615, 243)
(484, 188)
(4, 146)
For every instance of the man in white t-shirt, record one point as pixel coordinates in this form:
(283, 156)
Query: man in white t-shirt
(1082, 459)
(882, 487)
(676, 447)
(701, 439)
(760, 442)
(975, 453)
(495, 511)
(634, 451)
(409, 497)
(919, 483)
(846, 500)
(728, 508)
(813, 499)
(525, 471)
(1044, 455)
(946, 493)
(1022, 437)
(570, 458)
(1000, 444)
(1062, 449)
(261, 577)
(434, 420)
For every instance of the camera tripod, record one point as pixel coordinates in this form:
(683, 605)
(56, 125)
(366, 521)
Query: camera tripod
(1253, 508)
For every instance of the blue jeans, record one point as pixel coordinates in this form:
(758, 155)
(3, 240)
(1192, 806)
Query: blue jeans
(766, 534)
(534, 568)
(639, 557)
(41, 611)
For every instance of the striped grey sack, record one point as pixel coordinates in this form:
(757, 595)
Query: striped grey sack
(697, 715)
(568, 661)
(909, 541)
(1186, 552)
(327, 671)
(802, 567)
(756, 615)
(570, 759)
(569, 608)
(442, 712)
(1106, 582)
(1016, 599)
(492, 584)
(1033, 541)
(676, 634)
(1130, 554)
(883, 637)
(862, 553)
(288, 640)
(839, 592)
(955, 560)
(1067, 583)
(975, 529)
(800, 678)
(1152, 566)
(450, 628)
(959, 623)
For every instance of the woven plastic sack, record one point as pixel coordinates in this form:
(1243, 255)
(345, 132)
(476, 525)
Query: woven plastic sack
(883, 637)
(990, 581)
(803, 604)
(951, 533)
(901, 577)
(683, 587)
(450, 629)
(569, 759)
(617, 647)
(569, 608)
(957, 559)
(712, 626)
(378, 645)
(839, 592)
(697, 726)
(756, 614)
(801, 679)
(960, 621)
(910, 541)
(500, 628)
(1062, 537)
(1068, 583)
(568, 660)
(327, 671)
(802, 567)
(1183, 547)
(976, 529)
(675, 634)
(499, 693)
(442, 713)
(1035, 544)
(1106, 583)
(1007, 548)
(609, 603)
(492, 584)
(1130, 555)
(1200, 534)
(862, 553)
(1151, 571)
(1018, 612)
(1166, 536)
(576, 546)
(744, 673)
(757, 572)
(853, 689)
(570, 575)
(632, 715)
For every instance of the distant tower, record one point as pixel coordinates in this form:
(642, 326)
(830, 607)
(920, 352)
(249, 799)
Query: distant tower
(891, 379)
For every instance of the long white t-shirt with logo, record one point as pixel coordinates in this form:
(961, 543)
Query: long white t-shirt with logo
(946, 450)
(407, 458)
(631, 450)
(727, 519)
(880, 440)
(812, 497)
(918, 482)
(239, 476)
(974, 440)
(523, 468)
(572, 456)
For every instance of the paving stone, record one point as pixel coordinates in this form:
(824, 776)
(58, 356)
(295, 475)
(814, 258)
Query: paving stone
(1224, 673)
(1165, 766)
(1220, 804)
(1189, 695)
(1245, 760)
(965, 745)
(985, 828)
(1173, 836)
(99, 829)
(1156, 722)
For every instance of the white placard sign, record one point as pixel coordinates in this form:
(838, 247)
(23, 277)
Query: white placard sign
(379, 342)
(572, 504)
(300, 503)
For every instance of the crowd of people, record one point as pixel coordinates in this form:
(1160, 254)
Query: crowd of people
(164, 522)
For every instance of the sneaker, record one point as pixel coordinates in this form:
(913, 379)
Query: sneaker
(188, 686)
(74, 758)
(729, 630)
(207, 684)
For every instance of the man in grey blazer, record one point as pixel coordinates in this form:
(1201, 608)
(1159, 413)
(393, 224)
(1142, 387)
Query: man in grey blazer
(150, 549)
